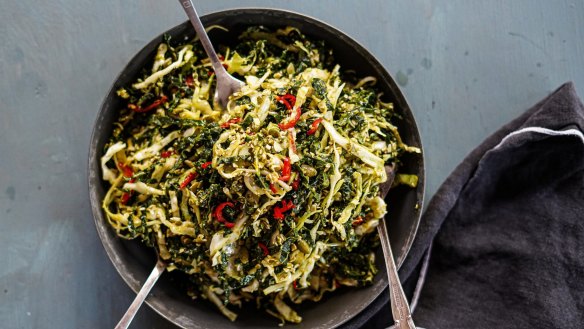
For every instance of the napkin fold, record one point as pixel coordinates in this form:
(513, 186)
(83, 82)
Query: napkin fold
(507, 228)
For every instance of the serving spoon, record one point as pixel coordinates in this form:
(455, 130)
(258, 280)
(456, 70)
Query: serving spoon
(226, 86)
(400, 308)
(226, 83)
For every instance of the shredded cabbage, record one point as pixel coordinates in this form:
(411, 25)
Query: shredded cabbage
(107, 173)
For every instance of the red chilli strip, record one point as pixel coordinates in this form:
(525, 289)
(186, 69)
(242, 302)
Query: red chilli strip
(291, 120)
(230, 122)
(288, 100)
(273, 189)
(296, 184)
(295, 285)
(188, 179)
(126, 170)
(206, 164)
(229, 224)
(314, 127)
(358, 221)
(165, 154)
(150, 107)
(286, 170)
(284, 101)
(280, 210)
(189, 81)
(125, 197)
(264, 248)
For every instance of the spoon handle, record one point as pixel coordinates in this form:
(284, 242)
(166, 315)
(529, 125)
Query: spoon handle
(399, 304)
(142, 294)
(191, 12)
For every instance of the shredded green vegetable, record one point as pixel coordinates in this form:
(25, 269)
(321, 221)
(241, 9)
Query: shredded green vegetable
(271, 200)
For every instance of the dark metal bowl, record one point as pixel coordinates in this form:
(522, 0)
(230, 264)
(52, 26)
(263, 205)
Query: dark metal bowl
(134, 261)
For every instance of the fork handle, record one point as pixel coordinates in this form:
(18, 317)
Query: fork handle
(189, 8)
(142, 294)
(400, 308)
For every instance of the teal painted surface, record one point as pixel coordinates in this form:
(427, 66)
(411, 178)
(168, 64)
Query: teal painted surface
(467, 67)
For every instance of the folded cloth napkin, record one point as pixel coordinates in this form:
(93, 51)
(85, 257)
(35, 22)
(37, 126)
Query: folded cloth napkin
(508, 229)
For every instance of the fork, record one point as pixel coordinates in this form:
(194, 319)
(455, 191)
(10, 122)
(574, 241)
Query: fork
(226, 83)
(400, 308)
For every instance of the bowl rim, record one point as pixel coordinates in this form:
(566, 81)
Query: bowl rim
(93, 155)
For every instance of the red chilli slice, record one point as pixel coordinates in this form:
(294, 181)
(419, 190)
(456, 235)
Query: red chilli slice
(125, 197)
(188, 179)
(264, 248)
(296, 184)
(289, 101)
(291, 120)
(286, 170)
(189, 81)
(314, 126)
(150, 107)
(218, 214)
(230, 122)
(280, 210)
(126, 170)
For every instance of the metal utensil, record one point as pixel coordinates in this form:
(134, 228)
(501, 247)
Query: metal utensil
(226, 84)
(400, 308)
(159, 268)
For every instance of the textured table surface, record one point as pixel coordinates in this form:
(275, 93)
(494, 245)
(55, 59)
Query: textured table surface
(467, 67)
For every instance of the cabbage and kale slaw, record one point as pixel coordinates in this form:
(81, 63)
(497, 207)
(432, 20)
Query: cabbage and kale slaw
(271, 200)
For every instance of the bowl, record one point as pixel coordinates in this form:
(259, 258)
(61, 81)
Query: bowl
(133, 261)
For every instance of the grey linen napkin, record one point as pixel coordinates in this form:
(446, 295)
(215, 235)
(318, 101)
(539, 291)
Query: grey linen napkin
(508, 230)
